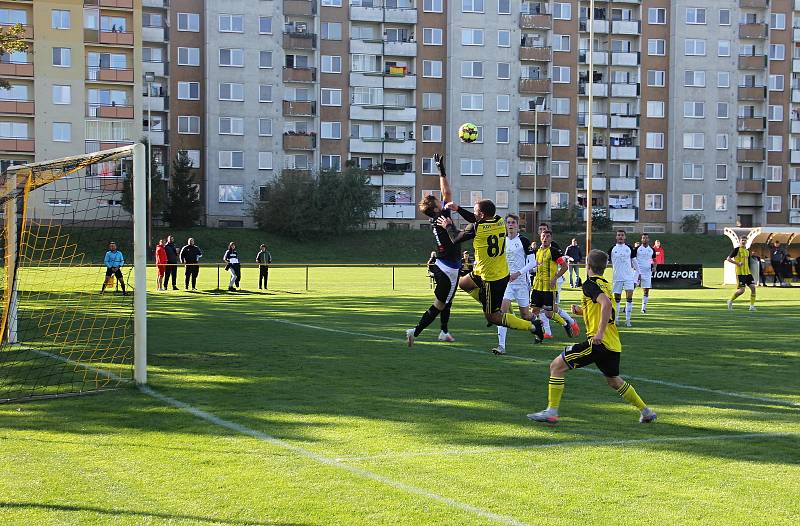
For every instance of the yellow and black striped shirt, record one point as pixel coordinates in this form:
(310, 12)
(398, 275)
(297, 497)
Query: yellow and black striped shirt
(547, 261)
(741, 255)
(593, 287)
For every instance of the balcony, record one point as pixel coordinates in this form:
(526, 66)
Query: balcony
(530, 182)
(105, 183)
(751, 124)
(27, 30)
(600, 26)
(110, 38)
(299, 41)
(795, 65)
(600, 58)
(379, 145)
(626, 27)
(530, 118)
(749, 186)
(598, 89)
(756, 4)
(796, 95)
(795, 125)
(530, 149)
(158, 4)
(599, 184)
(154, 34)
(758, 62)
(115, 4)
(750, 155)
(794, 187)
(399, 179)
(16, 69)
(794, 217)
(155, 103)
(752, 92)
(598, 151)
(623, 215)
(794, 156)
(625, 122)
(158, 137)
(753, 31)
(299, 108)
(394, 211)
(624, 58)
(306, 75)
(536, 54)
(404, 81)
(366, 14)
(299, 141)
(17, 145)
(599, 120)
(624, 153)
(17, 107)
(404, 13)
(630, 90)
(110, 112)
(366, 47)
(534, 86)
(400, 49)
(796, 31)
(623, 184)
(540, 21)
(159, 69)
(299, 8)
(109, 74)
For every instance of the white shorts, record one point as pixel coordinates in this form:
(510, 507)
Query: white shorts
(621, 285)
(519, 291)
(646, 281)
(446, 281)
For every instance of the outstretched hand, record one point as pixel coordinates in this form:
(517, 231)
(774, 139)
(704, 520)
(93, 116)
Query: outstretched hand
(452, 207)
(444, 222)
(438, 159)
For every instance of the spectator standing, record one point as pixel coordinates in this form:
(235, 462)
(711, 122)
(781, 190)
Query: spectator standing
(172, 263)
(777, 258)
(190, 256)
(659, 253)
(114, 262)
(574, 256)
(232, 265)
(263, 258)
(161, 265)
(466, 263)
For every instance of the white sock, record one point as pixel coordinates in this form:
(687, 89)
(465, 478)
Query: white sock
(567, 317)
(618, 303)
(545, 323)
(501, 336)
(644, 302)
(628, 309)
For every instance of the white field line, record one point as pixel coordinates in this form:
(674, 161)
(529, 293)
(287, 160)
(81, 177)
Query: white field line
(730, 394)
(461, 452)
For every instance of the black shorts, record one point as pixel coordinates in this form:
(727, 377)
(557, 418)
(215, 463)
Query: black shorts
(584, 353)
(117, 273)
(745, 280)
(542, 299)
(491, 294)
(446, 285)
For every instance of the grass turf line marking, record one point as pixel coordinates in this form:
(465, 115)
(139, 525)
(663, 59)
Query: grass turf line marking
(573, 443)
(665, 383)
(332, 462)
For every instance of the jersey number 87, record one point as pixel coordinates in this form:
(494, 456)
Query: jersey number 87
(494, 248)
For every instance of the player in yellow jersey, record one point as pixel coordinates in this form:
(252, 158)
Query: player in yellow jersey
(550, 267)
(489, 277)
(740, 257)
(602, 347)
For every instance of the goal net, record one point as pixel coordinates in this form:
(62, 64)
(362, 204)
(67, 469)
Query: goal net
(71, 307)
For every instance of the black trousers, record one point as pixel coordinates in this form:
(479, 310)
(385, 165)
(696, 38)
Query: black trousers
(191, 272)
(171, 270)
(263, 275)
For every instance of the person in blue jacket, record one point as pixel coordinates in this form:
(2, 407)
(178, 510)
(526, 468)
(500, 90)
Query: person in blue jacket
(114, 262)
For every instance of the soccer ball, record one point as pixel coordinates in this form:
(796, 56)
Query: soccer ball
(468, 132)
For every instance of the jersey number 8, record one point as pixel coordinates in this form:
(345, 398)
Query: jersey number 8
(494, 248)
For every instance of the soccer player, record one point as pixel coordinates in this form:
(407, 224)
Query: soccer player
(602, 347)
(520, 262)
(644, 259)
(446, 261)
(489, 277)
(621, 256)
(740, 257)
(550, 266)
(114, 262)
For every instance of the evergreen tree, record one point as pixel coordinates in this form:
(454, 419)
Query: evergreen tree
(183, 204)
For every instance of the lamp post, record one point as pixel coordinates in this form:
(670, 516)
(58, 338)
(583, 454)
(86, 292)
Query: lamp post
(149, 77)
(590, 133)
(538, 101)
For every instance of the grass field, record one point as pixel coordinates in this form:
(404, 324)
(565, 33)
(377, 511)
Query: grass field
(299, 409)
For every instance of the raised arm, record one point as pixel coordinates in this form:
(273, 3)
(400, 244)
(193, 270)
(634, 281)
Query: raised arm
(456, 236)
(444, 184)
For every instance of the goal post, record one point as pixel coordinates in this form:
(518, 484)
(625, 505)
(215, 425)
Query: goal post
(140, 264)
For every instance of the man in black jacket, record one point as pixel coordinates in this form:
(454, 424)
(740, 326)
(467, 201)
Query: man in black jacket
(172, 263)
(777, 258)
(574, 256)
(190, 256)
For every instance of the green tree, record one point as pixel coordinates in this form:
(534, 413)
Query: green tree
(183, 201)
(690, 223)
(344, 200)
(12, 38)
(600, 220)
(283, 206)
(568, 219)
(158, 189)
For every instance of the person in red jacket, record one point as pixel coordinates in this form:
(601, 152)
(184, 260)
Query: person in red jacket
(658, 252)
(161, 264)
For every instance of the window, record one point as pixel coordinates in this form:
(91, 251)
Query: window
(694, 141)
(773, 203)
(265, 25)
(559, 169)
(188, 90)
(471, 166)
(723, 79)
(655, 109)
(188, 56)
(59, 19)
(432, 69)
(503, 7)
(503, 38)
(265, 160)
(775, 143)
(14, 130)
(694, 109)
(471, 37)
(777, 21)
(331, 97)
(189, 22)
(654, 201)
(265, 59)
(695, 79)
(777, 51)
(265, 93)
(331, 130)
(694, 47)
(655, 78)
(722, 110)
(62, 131)
(62, 57)
(231, 159)
(502, 135)
(560, 106)
(561, 74)
(722, 172)
(264, 127)
(331, 3)
(231, 23)
(231, 91)
(331, 31)
(472, 69)
(231, 126)
(559, 137)
(62, 94)
(231, 57)
(656, 15)
(503, 70)
(722, 141)
(774, 174)
(720, 203)
(724, 17)
(654, 141)
(502, 168)
(503, 103)
(692, 171)
(654, 171)
(472, 6)
(331, 64)
(432, 36)
(432, 101)
(429, 167)
(692, 201)
(433, 6)
(364, 63)
(562, 11)
(331, 162)
(795, 201)
(194, 157)
(231, 193)
(775, 113)
(559, 200)
(695, 15)
(472, 101)
(723, 48)
(431, 133)
(501, 198)
(188, 125)
(775, 83)
(656, 47)
(561, 43)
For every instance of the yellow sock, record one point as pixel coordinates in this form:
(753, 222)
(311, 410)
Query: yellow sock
(557, 317)
(555, 388)
(753, 298)
(475, 293)
(512, 322)
(629, 394)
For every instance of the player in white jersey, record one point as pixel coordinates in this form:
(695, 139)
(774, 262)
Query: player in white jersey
(520, 263)
(621, 256)
(644, 259)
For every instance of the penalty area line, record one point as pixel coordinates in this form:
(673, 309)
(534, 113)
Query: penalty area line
(665, 383)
